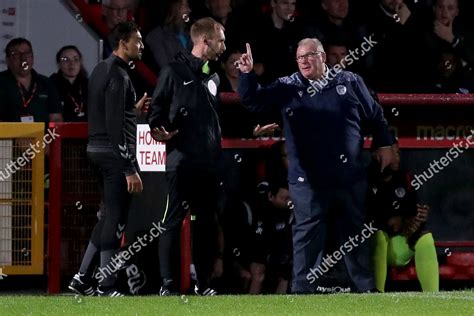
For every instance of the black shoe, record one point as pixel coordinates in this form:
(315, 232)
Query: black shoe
(168, 288)
(206, 292)
(81, 287)
(109, 293)
(167, 291)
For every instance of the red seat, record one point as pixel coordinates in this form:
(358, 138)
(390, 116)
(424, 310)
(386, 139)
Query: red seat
(461, 259)
(447, 272)
(470, 272)
(459, 264)
(403, 273)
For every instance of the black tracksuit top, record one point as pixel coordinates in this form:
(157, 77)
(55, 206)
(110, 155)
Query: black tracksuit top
(185, 99)
(112, 119)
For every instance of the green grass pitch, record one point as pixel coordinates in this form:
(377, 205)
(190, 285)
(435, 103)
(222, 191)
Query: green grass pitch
(409, 303)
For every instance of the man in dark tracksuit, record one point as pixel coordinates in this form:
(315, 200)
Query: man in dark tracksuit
(324, 121)
(183, 114)
(401, 223)
(111, 149)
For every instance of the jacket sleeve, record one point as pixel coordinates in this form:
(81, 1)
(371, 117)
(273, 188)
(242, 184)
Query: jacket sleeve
(256, 98)
(375, 121)
(115, 98)
(158, 113)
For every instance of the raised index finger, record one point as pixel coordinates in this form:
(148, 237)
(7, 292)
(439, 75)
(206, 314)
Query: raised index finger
(249, 51)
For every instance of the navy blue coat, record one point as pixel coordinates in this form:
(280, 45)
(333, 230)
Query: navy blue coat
(324, 127)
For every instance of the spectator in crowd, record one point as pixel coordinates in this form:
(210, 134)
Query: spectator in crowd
(277, 35)
(272, 252)
(236, 30)
(230, 77)
(220, 10)
(233, 118)
(452, 33)
(398, 61)
(146, 16)
(336, 22)
(447, 34)
(25, 95)
(71, 83)
(401, 223)
(335, 53)
(172, 37)
(111, 149)
(324, 148)
(183, 115)
(451, 76)
(114, 12)
(119, 11)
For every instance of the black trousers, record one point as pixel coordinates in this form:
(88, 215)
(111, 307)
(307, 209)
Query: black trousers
(116, 198)
(108, 232)
(195, 190)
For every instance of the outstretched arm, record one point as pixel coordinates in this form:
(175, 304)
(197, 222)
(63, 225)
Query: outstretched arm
(254, 97)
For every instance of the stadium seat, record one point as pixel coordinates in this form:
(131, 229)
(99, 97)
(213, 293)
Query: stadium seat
(459, 265)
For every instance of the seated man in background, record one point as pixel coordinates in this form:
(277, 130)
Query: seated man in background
(402, 234)
(25, 95)
(272, 258)
(447, 33)
(451, 76)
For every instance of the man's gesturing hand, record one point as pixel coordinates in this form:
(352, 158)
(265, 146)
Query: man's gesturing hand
(143, 104)
(385, 156)
(161, 134)
(422, 212)
(134, 183)
(246, 61)
(265, 130)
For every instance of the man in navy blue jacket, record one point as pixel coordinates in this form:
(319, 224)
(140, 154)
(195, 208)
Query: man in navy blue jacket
(326, 113)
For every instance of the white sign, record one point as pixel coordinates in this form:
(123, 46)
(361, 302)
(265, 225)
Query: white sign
(151, 155)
